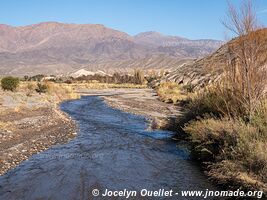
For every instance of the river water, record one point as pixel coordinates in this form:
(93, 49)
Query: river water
(113, 150)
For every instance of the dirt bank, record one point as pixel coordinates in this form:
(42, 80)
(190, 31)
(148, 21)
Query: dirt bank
(31, 123)
(31, 131)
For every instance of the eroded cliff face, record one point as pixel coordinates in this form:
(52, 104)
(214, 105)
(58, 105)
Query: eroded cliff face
(200, 72)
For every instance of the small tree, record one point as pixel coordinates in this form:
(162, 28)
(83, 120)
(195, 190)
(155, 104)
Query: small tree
(9, 83)
(246, 76)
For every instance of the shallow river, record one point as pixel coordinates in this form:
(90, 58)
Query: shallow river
(113, 150)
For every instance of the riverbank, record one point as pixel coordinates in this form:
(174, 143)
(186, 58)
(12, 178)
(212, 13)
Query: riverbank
(31, 123)
(112, 150)
(229, 146)
(165, 116)
(142, 101)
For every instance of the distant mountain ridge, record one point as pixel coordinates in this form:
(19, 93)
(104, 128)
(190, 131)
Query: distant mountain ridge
(56, 48)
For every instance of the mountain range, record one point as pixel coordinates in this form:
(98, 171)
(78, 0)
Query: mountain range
(200, 72)
(58, 48)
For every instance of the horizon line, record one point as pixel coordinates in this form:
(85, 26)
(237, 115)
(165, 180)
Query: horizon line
(73, 23)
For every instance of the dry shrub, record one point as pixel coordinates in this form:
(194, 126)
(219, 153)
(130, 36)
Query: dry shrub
(221, 101)
(27, 87)
(170, 92)
(232, 129)
(234, 146)
(212, 135)
(231, 172)
(209, 101)
(61, 91)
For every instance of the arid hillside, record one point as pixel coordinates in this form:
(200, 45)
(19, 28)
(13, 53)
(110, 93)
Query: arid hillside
(57, 48)
(208, 69)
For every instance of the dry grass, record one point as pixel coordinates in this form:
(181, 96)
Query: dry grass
(61, 91)
(5, 125)
(170, 92)
(56, 91)
(235, 147)
(231, 140)
(27, 97)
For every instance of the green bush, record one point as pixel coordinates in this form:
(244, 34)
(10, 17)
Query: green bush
(41, 88)
(9, 83)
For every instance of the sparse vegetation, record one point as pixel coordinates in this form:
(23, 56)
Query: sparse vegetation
(171, 92)
(189, 88)
(61, 91)
(9, 83)
(234, 147)
(30, 89)
(227, 122)
(41, 88)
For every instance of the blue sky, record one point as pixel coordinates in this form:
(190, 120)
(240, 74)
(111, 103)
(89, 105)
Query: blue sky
(193, 19)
